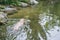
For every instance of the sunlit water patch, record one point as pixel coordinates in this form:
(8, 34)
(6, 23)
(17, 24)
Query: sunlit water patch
(50, 25)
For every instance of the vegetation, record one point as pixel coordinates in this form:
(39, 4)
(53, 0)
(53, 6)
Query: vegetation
(13, 2)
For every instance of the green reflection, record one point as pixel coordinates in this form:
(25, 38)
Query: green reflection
(2, 32)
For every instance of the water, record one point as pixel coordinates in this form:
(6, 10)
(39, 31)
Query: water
(20, 33)
(52, 30)
(49, 24)
(42, 26)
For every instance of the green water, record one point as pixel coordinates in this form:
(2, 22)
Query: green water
(35, 14)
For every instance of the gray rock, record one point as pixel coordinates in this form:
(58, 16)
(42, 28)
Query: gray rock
(3, 17)
(22, 4)
(10, 10)
(33, 2)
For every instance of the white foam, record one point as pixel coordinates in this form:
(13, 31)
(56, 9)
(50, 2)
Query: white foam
(53, 33)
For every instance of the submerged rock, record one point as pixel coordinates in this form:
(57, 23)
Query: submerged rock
(3, 18)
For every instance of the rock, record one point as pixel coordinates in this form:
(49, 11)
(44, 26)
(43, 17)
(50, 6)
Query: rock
(10, 10)
(22, 4)
(33, 2)
(2, 7)
(19, 24)
(3, 17)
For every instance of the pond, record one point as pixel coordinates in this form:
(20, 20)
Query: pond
(37, 26)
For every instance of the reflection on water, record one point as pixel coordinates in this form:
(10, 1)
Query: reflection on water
(36, 27)
(48, 22)
(20, 34)
(54, 33)
(50, 25)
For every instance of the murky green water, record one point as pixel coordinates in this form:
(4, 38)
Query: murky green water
(42, 26)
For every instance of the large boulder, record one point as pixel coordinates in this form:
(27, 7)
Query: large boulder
(9, 10)
(3, 18)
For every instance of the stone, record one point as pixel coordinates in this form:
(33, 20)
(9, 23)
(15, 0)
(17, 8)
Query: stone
(9, 10)
(3, 17)
(19, 24)
(33, 2)
(22, 4)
